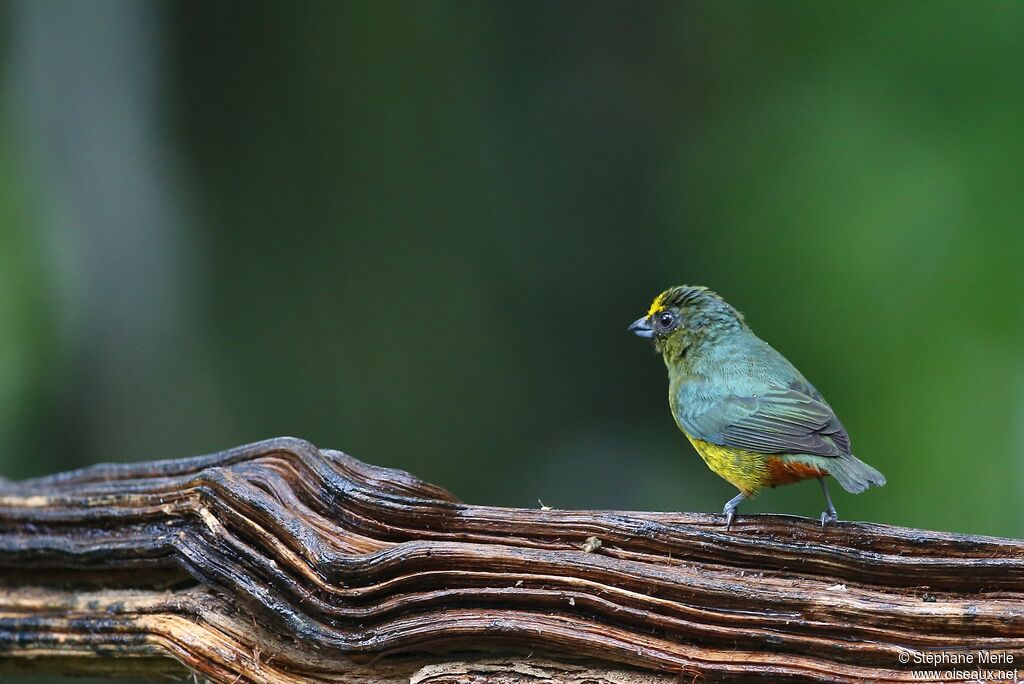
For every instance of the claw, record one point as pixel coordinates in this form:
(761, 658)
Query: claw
(729, 510)
(829, 514)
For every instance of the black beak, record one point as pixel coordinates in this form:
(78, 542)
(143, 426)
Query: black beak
(641, 327)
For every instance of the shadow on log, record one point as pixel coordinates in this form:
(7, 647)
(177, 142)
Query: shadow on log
(281, 562)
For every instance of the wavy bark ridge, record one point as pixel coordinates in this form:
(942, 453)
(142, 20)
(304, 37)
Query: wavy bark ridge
(281, 562)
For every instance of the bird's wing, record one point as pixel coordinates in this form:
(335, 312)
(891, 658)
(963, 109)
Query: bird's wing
(782, 420)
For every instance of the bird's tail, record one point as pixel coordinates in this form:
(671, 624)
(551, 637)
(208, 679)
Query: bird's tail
(854, 474)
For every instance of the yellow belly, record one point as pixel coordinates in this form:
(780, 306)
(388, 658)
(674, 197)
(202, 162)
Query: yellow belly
(748, 471)
(751, 471)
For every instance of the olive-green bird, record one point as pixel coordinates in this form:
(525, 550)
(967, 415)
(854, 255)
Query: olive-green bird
(753, 418)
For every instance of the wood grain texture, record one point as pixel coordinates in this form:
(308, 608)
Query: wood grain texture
(281, 562)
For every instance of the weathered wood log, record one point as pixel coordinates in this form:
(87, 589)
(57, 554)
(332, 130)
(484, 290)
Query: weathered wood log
(280, 562)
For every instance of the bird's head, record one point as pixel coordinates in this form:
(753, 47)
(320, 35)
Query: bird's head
(683, 315)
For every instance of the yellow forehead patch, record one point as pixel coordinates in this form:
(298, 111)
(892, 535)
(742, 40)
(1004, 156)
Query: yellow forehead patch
(656, 305)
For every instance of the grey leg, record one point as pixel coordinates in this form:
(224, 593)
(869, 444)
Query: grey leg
(730, 509)
(829, 514)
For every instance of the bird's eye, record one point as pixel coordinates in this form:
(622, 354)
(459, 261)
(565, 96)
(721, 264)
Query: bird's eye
(666, 321)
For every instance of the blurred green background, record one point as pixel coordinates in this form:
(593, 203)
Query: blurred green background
(417, 232)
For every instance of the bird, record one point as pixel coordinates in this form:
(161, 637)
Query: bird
(755, 420)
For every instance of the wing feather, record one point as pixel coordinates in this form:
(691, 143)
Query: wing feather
(793, 420)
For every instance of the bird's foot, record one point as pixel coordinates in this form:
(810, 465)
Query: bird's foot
(729, 511)
(829, 514)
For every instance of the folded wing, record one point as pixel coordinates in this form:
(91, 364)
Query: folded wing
(782, 420)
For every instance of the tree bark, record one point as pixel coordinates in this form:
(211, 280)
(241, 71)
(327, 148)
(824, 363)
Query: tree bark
(281, 562)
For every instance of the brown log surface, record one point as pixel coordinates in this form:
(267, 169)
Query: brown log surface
(281, 562)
